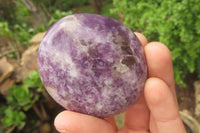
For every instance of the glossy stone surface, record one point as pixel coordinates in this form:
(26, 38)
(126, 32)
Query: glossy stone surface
(92, 64)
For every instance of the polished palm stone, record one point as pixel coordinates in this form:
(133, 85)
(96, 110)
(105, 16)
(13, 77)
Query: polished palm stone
(92, 64)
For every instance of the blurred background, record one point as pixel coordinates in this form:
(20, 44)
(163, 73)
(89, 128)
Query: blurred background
(25, 106)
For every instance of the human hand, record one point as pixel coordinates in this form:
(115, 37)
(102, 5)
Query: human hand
(155, 112)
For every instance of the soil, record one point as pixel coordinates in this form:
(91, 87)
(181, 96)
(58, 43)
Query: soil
(186, 101)
(186, 96)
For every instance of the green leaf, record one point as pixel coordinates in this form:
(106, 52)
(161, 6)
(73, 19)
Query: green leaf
(35, 99)
(10, 99)
(27, 107)
(33, 75)
(58, 15)
(33, 81)
(13, 118)
(28, 82)
(20, 95)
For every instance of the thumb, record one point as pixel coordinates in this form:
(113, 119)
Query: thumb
(72, 122)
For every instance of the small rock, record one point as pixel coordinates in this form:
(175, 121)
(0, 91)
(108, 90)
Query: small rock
(119, 119)
(36, 39)
(197, 98)
(7, 84)
(5, 69)
(29, 58)
(21, 73)
(190, 121)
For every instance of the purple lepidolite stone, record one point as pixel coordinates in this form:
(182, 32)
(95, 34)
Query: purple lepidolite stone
(92, 64)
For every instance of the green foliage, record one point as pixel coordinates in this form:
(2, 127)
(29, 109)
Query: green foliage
(58, 15)
(24, 33)
(21, 99)
(175, 23)
(18, 34)
(13, 117)
(22, 13)
(106, 10)
(21, 33)
(4, 29)
(67, 4)
(13, 11)
(33, 81)
(41, 28)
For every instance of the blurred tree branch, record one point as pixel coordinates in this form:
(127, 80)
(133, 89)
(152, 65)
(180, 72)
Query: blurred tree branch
(39, 18)
(30, 5)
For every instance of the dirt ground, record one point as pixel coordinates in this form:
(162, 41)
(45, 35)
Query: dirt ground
(186, 99)
(186, 96)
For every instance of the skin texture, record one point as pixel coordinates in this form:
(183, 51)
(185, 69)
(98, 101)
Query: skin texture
(155, 112)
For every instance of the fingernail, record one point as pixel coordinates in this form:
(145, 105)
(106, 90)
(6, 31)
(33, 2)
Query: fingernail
(63, 131)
